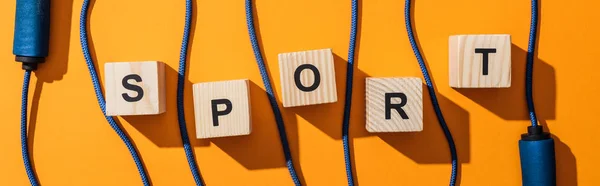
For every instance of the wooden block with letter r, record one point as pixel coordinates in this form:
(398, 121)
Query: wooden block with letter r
(394, 104)
(480, 61)
(222, 109)
(307, 77)
(134, 88)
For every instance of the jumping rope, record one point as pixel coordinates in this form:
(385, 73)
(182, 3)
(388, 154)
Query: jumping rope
(100, 97)
(536, 147)
(189, 153)
(348, 99)
(434, 101)
(267, 82)
(180, 88)
(31, 47)
(529, 64)
(24, 147)
(31, 38)
(32, 32)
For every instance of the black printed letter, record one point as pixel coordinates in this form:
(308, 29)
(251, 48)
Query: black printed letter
(315, 84)
(215, 111)
(398, 107)
(485, 52)
(138, 89)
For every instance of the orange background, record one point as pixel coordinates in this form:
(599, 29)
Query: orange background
(72, 144)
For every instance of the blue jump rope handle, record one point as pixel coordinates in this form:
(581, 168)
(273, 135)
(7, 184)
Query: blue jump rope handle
(32, 32)
(538, 167)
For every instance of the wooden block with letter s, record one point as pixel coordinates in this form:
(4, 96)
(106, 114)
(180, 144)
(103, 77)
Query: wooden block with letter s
(134, 88)
(222, 109)
(480, 61)
(307, 77)
(394, 104)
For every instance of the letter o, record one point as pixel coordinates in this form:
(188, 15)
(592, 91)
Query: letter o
(315, 71)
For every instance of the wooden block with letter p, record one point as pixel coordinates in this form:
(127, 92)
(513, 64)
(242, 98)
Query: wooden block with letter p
(480, 61)
(307, 77)
(394, 104)
(222, 109)
(134, 88)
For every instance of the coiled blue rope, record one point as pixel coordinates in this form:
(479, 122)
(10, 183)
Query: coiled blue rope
(434, 101)
(24, 146)
(529, 64)
(189, 153)
(348, 99)
(100, 96)
(267, 82)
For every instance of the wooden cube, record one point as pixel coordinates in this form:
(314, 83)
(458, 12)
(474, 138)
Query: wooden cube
(480, 61)
(307, 77)
(222, 109)
(394, 104)
(134, 88)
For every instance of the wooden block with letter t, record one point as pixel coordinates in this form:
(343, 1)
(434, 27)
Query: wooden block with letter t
(307, 77)
(222, 109)
(480, 61)
(394, 104)
(134, 88)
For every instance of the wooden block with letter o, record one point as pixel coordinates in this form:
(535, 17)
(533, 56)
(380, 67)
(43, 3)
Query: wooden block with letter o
(480, 61)
(307, 77)
(394, 104)
(134, 88)
(222, 109)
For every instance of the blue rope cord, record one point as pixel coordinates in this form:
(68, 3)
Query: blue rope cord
(348, 99)
(529, 64)
(24, 146)
(434, 101)
(180, 102)
(267, 82)
(100, 96)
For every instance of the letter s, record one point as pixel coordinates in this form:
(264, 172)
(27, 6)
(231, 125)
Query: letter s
(138, 89)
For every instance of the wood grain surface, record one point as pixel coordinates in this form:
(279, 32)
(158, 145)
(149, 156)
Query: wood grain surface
(411, 87)
(152, 74)
(325, 92)
(466, 65)
(237, 122)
